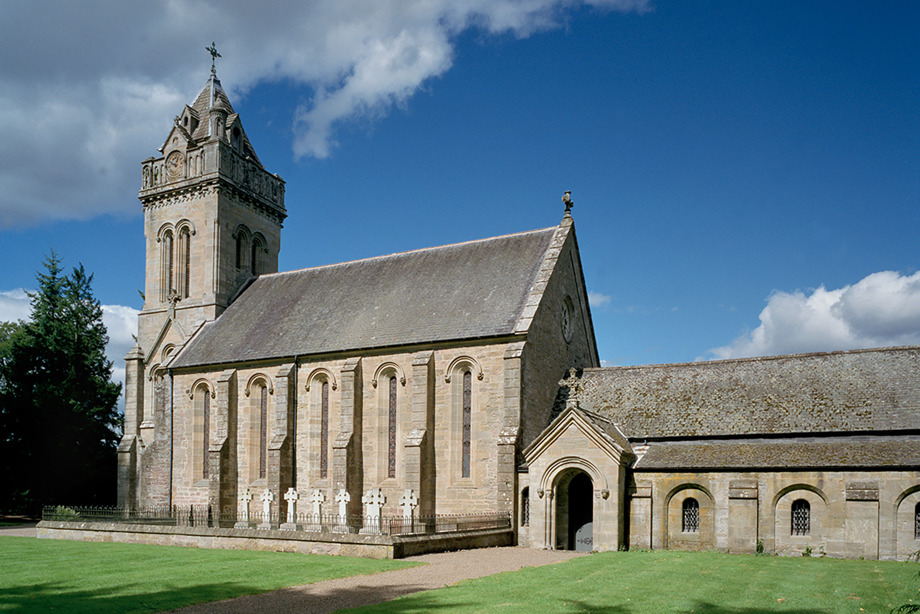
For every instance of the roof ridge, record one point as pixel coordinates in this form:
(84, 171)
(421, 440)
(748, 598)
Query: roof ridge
(740, 359)
(408, 252)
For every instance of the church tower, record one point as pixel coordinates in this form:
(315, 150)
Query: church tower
(212, 223)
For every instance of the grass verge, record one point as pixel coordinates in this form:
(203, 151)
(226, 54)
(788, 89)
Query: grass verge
(38, 575)
(712, 583)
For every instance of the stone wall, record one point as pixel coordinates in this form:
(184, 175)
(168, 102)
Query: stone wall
(853, 514)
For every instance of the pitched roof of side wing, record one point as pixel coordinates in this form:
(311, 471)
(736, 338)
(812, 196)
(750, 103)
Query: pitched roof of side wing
(835, 392)
(462, 291)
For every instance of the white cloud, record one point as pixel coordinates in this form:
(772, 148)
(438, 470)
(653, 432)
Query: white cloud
(79, 116)
(15, 305)
(597, 300)
(882, 309)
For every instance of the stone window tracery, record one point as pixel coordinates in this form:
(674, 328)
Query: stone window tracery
(206, 439)
(690, 522)
(391, 432)
(801, 517)
(324, 432)
(467, 423)
(185, 256)
(263, 431)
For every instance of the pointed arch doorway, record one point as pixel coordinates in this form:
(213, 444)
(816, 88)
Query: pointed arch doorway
(574, 513)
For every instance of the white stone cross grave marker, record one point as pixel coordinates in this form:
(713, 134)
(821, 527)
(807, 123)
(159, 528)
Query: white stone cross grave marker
(291, 497)
(317, 498)
(408, 501)
(267, 498)
(245, 498)
(373, 501)
(342, 498)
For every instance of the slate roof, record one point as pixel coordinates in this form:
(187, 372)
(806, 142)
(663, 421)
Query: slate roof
(211, 95)
(778, 455)
(462, 291)
(860, 390)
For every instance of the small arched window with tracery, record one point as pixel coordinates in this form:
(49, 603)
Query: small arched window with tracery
(256, 261)
(167, 265)
(801, 517)
(263, 430)
(690, 521)
(467, 432)
(205, 396)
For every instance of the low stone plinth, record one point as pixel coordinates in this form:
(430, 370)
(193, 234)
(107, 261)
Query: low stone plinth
(344, 544)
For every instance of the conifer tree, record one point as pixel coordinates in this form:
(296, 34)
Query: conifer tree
(58, 403)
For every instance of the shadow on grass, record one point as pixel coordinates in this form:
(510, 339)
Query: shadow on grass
(50, 596)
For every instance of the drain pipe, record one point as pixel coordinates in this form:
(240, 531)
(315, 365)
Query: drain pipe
(172, 443)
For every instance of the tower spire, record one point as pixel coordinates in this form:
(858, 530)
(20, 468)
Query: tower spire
(214, 55)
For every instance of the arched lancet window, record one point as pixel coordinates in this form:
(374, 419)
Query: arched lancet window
(256, 262)
(466, 436)
(243, 242)
(917, 521)
(166, 265)
(525, 507)
(801, 517)
(263, 430)
(690, 522)
(391, 432)
(206, 429)
(185, 257)
(324, 432)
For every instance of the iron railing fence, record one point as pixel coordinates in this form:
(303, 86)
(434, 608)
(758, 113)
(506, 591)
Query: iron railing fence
(206, 516)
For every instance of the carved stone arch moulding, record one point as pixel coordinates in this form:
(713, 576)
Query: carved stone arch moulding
(161, 233)
(167, 352)
(153, 370)
(330, 377)
(906, 494)
(198, 383)
(459, 362)
(257, 378)
(185, 223)
(259, 238)
(794, 487)
(688, 486)
(557, 467)
(242, 229)
(387, 366)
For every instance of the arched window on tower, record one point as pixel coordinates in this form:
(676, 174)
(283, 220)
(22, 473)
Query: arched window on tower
(690, 522)
(801, 517)
(256, 260)
(167, 256)
(185, 267)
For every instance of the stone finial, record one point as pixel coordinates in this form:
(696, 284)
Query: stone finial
(214, 55)
(568, 202)
(575, 385)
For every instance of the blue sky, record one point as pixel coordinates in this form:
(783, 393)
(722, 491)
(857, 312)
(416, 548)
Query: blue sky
(745, 175)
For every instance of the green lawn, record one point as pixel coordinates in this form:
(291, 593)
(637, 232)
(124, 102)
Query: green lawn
(659, 582)
(39, 575)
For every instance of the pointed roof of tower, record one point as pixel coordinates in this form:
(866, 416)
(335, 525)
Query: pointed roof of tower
(213, 96)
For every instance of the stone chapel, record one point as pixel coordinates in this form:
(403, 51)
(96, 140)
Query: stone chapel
(469, 375)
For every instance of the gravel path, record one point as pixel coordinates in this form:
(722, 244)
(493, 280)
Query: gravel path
(20, 530)
(442, 569)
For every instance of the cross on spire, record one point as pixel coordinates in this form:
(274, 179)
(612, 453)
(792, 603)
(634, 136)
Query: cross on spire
(575, 386)
(214, 55)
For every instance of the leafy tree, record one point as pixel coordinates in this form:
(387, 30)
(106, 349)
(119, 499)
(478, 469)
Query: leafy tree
(58, 404)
